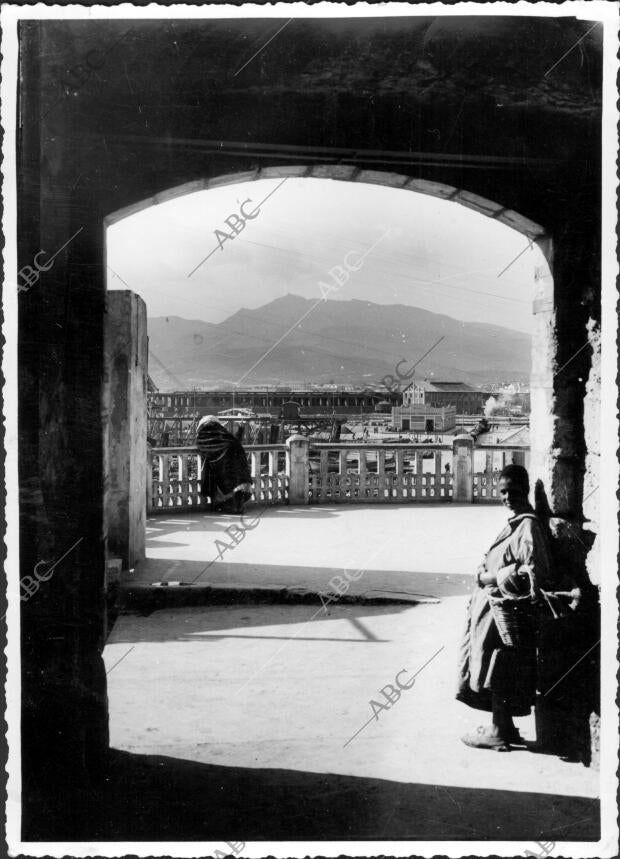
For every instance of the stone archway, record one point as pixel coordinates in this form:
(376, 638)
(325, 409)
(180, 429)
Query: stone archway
(344, 173)
(103, 145)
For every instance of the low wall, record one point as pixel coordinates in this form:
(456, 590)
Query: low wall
(304, 472)
(125, 388)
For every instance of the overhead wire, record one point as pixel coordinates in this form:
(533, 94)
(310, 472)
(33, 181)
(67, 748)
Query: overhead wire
(430, 281)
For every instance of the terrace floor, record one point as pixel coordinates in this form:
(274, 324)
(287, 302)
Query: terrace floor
(421, 550)
(241, 720)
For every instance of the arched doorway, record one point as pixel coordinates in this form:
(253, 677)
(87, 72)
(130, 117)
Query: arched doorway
(104, 147)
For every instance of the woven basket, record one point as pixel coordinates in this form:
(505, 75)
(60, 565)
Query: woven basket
(513, 620)
(514, 617)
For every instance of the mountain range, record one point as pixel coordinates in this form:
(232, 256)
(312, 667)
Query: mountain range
(294, 339)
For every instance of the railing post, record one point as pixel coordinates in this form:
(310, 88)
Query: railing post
(297, 468)
(463, 468)
(438, 475)
(488, 467)
(164, 476)
(323, 466)
(362, 471)
(382, 483)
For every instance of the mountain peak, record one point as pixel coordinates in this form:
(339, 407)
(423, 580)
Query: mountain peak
(349, 340)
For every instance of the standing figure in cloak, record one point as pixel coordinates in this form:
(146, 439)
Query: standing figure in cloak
(498, 654)
(226, 479)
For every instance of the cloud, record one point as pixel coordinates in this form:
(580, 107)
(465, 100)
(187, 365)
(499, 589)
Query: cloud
(439, 255)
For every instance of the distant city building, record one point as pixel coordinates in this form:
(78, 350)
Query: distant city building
(517, 387)
(329, 400)
(419, 417)
(466, 399)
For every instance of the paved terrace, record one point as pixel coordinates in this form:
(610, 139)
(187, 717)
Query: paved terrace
(242, 717)
(417, 550)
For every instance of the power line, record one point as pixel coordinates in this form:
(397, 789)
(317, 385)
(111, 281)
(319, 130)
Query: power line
(163, 366)
(406, 259)
(386, 261)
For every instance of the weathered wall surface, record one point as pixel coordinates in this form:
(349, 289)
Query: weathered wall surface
(115, 112)
(592, 425)
(126, 360)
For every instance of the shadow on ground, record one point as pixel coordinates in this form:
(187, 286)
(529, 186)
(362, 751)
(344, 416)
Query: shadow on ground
(174, 519)
(202, 518)
(156, 798)
(419, 583)
(204, 623)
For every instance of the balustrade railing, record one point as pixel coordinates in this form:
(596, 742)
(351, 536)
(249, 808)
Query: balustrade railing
(486, 476)
(304, 472)
(377, 473)
(269, 473)
(175, 483)
(173, 480)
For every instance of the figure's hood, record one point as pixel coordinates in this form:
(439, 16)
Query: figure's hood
(207, 419)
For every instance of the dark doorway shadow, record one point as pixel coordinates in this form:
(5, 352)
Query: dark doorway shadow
(156, 798)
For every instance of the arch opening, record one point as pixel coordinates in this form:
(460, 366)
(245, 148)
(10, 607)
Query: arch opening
(179, 397)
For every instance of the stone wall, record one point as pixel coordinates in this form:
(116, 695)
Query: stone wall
(592, 426)
(125, 398)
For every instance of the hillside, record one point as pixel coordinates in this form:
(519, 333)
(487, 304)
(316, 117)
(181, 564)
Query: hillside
(345, 341)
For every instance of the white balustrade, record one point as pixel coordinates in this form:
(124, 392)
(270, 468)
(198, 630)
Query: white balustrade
(344, 473)
(270, 481)
(175, 477)
(375, 474)
(496, 457)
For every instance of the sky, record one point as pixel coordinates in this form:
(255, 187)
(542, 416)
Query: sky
(402, 248)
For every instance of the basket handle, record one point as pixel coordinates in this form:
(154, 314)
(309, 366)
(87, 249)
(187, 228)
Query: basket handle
(535, 592)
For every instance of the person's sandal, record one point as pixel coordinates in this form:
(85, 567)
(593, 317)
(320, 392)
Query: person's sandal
(485, 738)
(515, 738)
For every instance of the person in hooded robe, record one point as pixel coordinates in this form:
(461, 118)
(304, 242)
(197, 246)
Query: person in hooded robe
(226, 479)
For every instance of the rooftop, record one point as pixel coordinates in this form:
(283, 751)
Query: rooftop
(456, 387)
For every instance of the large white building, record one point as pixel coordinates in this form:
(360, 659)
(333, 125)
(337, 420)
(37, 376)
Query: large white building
(418, 417)
(465, 398)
